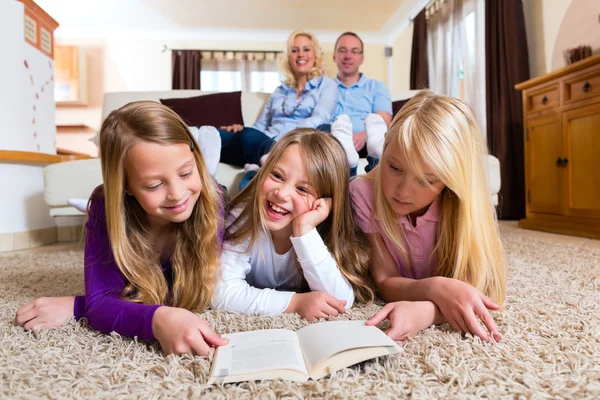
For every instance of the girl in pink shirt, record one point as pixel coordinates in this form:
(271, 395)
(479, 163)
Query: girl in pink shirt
(436, 253)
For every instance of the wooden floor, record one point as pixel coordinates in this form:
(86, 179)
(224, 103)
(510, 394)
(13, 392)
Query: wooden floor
(505, 226)
(508, 226)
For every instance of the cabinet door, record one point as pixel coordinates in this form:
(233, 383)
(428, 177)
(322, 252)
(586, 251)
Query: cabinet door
(543, 143)
(581, 130)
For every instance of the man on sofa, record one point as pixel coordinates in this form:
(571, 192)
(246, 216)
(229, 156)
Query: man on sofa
(358, 95)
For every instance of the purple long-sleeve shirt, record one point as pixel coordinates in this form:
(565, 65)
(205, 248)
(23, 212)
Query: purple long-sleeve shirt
(102, 305)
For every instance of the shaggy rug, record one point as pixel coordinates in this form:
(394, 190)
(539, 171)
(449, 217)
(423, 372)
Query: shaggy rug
(550, 346)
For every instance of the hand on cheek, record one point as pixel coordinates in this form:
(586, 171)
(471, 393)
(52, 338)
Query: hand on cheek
(318, 212)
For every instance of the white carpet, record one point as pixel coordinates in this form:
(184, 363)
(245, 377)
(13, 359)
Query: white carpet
(550, 346)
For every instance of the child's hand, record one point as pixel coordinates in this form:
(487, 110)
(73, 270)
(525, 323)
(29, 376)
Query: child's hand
(311, 219)
(180, 331)
(45, 312)
(461, 304)
(407, 318)
(315, 305)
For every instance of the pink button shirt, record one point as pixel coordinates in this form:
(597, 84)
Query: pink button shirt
(420, 240)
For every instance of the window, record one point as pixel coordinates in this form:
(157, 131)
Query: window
(228, 71)
(456, 52)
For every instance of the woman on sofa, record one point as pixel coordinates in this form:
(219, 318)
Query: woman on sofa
(306, 99)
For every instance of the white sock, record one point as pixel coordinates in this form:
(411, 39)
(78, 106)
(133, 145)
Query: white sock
(376, 129)
(251, 167)
(78, 203)
(263, 159)
(341, 129)
(209, 140)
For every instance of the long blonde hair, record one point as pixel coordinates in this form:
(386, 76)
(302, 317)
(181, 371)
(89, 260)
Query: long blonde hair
(442, 133)
(328, 175)
(195, 259)
(284, 61)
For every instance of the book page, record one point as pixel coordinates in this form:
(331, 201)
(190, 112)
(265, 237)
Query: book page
(248, 352)
(323, 340)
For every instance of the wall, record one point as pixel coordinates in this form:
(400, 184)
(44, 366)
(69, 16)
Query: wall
(27, 107)
(580, 26)
(542, 21)
(401, 54)
(11, 112)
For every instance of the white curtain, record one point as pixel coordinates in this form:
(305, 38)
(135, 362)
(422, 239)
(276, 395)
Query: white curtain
(240, 67)
(456, 52)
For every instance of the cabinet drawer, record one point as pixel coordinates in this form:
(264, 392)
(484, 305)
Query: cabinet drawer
(582, 87)
(544, 99)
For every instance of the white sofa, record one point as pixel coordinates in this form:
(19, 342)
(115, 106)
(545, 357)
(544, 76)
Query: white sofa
(77, 179)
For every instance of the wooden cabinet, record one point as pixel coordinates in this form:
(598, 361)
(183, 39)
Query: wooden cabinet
(70, 87)
(562, 150)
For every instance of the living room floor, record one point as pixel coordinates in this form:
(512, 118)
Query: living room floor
(505, 227)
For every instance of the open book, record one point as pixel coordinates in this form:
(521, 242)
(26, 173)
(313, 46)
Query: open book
(314, 351)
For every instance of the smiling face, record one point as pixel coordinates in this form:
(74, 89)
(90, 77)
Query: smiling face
(348, 55)
(165, 181)
(404, 190)
(286, 193)
(302, 56)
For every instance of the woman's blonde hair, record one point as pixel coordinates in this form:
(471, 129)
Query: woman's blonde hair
(442, 133)
(328, 175)
(195, 258)
(284, 61)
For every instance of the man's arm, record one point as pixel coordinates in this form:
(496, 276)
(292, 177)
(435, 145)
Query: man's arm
(382, 103)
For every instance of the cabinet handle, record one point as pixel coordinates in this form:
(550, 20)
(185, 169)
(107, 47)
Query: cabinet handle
(558, 162)
(586, 87)
(565, 161)
(544, 100)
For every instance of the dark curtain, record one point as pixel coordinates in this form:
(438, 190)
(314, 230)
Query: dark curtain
(507, 63)
(185, 69)
(419, 73)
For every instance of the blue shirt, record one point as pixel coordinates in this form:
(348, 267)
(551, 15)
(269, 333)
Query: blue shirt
(313, 108)
(364, 97)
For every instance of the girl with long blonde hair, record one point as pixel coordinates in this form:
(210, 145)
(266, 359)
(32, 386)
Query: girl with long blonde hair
(427, 211)
(153, 237)
(306, 99)
(291, 231)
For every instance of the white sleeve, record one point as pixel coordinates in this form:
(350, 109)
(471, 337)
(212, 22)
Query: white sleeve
(320, 269)
(233, 293)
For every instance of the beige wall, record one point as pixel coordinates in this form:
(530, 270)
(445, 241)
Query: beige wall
(402, 49)
(542, 22)
(580, 26)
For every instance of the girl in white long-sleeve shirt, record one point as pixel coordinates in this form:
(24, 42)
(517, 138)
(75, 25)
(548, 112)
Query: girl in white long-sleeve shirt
(291, 244)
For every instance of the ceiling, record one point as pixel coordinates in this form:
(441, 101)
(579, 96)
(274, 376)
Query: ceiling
(338, 15)
(376, 21)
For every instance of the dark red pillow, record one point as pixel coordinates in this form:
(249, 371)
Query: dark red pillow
(218, 109)
(397, 105)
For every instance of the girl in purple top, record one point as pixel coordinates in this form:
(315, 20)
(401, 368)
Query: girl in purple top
(428, 214)
(153, 237)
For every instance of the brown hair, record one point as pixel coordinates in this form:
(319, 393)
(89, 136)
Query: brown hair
(329, 176)
(195, 259)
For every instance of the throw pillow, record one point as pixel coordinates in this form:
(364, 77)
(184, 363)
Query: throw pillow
(397, 105)
(218, 109)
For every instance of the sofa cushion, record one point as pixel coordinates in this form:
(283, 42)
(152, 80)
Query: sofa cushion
(216, 109)
(397, 105)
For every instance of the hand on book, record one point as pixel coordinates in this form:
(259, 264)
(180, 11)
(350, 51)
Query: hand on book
(180, 331)
(315, 305)
(407, 318)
